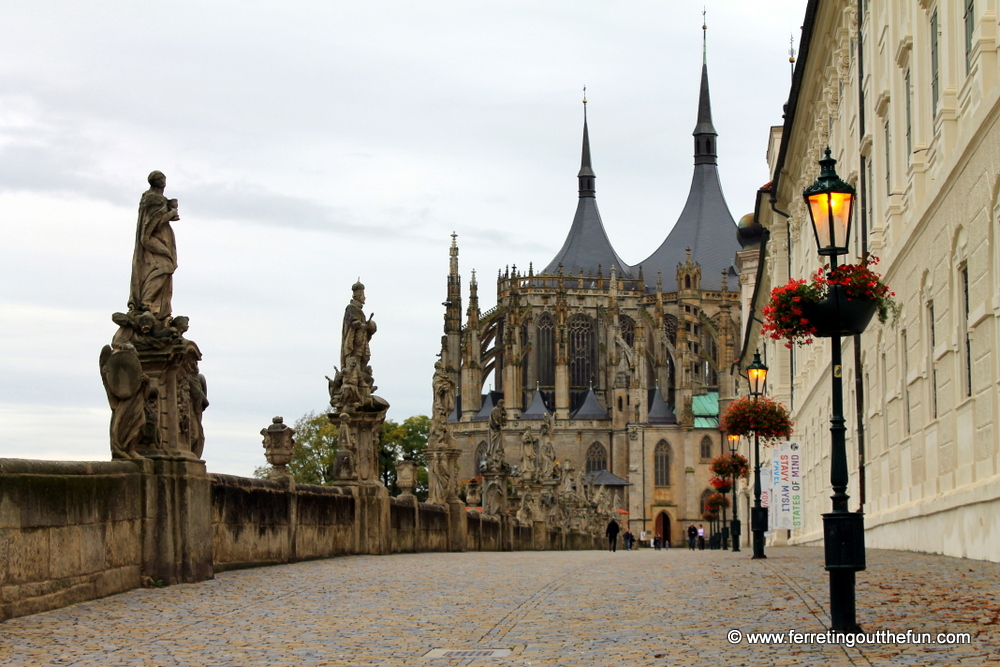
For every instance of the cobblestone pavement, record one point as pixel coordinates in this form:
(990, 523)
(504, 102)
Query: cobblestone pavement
(645, 607)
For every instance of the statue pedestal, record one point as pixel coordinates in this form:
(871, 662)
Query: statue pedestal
(361, 478)
(177, 516)
(176, 433)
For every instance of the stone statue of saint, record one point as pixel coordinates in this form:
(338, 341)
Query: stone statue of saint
(127, 389)
(493, 498)
(357, 331)
(155, 257)
(444, 391)
(495, 454)
(528, 445)
(547, 463)
(197, 385)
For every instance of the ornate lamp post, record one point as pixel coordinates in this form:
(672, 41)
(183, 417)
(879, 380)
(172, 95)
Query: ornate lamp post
(830, 202)
(734, 441)
(757, 375)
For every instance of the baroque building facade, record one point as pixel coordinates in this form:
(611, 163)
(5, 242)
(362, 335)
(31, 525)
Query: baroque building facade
(906, 95)
(630, 361)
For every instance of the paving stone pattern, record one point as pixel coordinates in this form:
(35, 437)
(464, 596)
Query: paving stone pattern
(644, 607)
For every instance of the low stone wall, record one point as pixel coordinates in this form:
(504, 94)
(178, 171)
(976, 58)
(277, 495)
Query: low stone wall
(71, 532)
(68, 532)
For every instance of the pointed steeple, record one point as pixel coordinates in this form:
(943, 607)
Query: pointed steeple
(586, 175)
(587, 245)
(704, 131)
(705, 225)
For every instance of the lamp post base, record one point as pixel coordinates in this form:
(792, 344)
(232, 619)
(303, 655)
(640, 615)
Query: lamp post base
(758, 526)
(736, 530)
(844, 546)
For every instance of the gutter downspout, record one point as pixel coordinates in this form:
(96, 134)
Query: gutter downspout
(859, 385)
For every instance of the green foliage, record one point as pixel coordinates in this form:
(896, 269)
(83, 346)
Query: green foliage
(408, 439)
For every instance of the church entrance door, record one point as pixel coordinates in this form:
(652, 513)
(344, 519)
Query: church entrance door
(663, 526)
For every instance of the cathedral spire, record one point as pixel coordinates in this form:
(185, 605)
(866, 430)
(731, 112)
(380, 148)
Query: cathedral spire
(586, 174)
(704, 131)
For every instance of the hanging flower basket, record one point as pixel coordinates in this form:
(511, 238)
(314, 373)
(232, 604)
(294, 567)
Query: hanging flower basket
(710, 516)
(728, 466)
(838, 302)
(716, 501)
(721, 484)
(762, 416)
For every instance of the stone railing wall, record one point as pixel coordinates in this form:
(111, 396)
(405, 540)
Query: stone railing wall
(71, 532)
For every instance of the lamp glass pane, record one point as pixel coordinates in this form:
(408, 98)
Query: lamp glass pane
(819, 211)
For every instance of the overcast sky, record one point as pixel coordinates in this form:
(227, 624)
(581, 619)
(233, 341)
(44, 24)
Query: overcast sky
(312, 143)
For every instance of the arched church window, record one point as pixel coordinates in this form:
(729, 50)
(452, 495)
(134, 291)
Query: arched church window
(582, 350)
(627, 326)
(662, 457)
(687, 282)
(706, 447)
(546, 354)
(480, 456)
(704, 500)
(597, 458)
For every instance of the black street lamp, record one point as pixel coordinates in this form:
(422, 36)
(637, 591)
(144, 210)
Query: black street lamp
(757, 375)
(830, 202)
(734, 441)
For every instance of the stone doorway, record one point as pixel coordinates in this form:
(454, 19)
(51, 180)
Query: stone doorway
(663, 527)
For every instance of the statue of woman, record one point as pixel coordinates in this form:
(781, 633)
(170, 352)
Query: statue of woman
(155, 258)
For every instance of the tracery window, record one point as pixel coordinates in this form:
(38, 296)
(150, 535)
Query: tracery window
(627, 326)
(582, 351)
(597, 458)
(706, 447)
(546, 355)
(662, 457)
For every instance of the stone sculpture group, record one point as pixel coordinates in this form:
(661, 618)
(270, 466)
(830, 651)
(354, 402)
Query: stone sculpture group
(150, 370)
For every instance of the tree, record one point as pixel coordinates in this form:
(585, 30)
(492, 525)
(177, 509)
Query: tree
(408, 439)
(314, 453)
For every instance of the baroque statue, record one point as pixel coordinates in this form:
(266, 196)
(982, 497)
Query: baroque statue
(155, 258)
(495, 455)
(127, 389)
(353, 385)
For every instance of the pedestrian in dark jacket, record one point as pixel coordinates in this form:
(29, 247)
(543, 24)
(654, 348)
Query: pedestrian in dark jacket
(612, 533)
(692, 536)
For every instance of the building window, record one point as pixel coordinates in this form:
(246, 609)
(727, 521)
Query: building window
(906, 387)
(597, 458)
(661, 463)
(935, 89)
(888, 161)
(581, 351)
(909, 116)
(970, 26)
(706, 447)
(627, 326)
(546, 355)
(931, 337)
(965, 331)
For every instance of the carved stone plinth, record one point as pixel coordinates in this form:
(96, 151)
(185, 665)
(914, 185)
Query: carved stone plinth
(356, 470)
(495, 492)
(175, 430)
(442, 475)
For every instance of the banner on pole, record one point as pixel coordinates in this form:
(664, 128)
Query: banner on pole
(786, 486)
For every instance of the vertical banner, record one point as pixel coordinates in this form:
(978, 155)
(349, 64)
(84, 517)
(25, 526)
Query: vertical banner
(766, 496)
(786, 486)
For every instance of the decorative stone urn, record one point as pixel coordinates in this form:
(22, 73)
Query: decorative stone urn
(406, 477)
(278, 446)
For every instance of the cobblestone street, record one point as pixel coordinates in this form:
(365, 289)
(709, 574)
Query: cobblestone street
(673, 607)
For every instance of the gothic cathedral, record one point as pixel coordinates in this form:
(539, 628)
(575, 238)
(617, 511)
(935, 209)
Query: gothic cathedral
(630, 361)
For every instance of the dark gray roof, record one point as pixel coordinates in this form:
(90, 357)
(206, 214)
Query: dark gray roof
(659, 411)
(591, 408)
(537, 409)
(587, 247)
(605, 478)
(705, 224)
(489, 402)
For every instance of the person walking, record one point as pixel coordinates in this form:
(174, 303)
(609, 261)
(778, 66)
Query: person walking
(692, 536)
(627, 539)
(612, 533)
(656, 542)
(701, 537)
